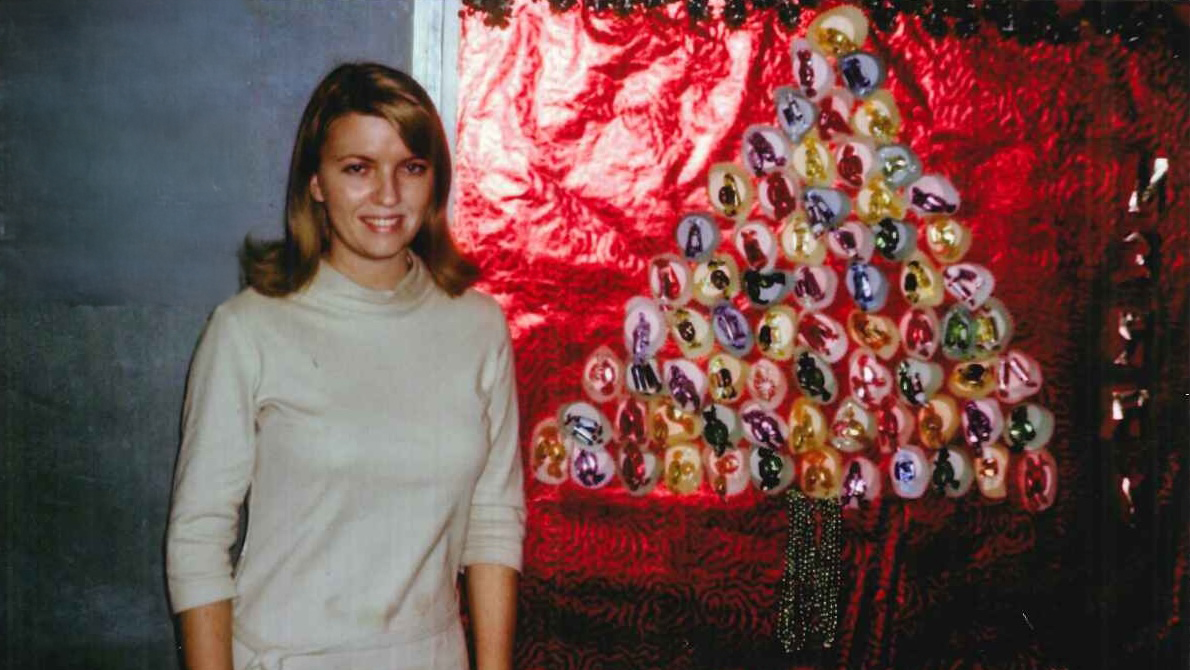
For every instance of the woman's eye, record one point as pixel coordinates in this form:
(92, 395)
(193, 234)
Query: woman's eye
(416, 168)
(355, 168)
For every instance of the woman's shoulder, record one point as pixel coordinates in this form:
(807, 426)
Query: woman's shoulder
(484, 310)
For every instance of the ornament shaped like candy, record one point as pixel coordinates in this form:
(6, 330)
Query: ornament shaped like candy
(992, 327)
(874, 331)
(1018, 376)
(947, 239)
(991, 472)
(632, 421)
(909, 472)
(953, 472)
(862, 483)
(731, 329)
(898, 165)
(775, 332)
(839, 31)
(1030, 427)
(687, 384)
(683, 469)
(933, 195)
(855, 161)
(603, 375)
(727, 473)
(812, 161)
(983, 422)
(726, 375)
(871, 382)
(771, 471)
(763, 427)
(820, 472)
(867, 286)
(894, 426)
(814, 286)
(862, 72)
(639, 469)
(814, 376)
(644, 328)
(834, 111)
(692, 331)
(1034, 480)
(895, 239)
(807, 426)
(878, 118)
(766, 288)
(852, 241)
(671, 425)
(877, 201)
(972, 379)
(550, 455)
(822, 335)
(643, 377)
(958, 334)
(764, 149)
(938, 421)
(766, 384)
(918, 381)
(698, 235)
(853, 427)
(811, 70)
(969, 283)
(920, 332)
(921, 282)
(796, 114)
(778, 194)
(585, 424)
(669, 280)
(730, 190)
(592, 468)
(825, 208)
(721, 428)
(716, 280)
(799, 243)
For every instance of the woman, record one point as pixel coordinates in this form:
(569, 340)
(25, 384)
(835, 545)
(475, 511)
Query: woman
(362, 397)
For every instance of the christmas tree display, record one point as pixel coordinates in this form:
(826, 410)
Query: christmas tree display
(817, 326)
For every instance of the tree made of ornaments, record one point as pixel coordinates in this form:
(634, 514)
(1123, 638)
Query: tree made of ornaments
(745, 366)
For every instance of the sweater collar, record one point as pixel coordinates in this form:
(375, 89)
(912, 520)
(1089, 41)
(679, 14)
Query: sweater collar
(333, 286)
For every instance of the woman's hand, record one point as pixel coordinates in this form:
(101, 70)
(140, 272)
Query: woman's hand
(491, 600)
(206, 636)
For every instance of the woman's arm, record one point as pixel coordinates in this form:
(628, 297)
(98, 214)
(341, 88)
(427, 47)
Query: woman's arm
(206, 636)
(491, 599)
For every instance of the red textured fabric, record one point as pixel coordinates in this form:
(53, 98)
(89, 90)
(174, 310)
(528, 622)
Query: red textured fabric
(584, 137)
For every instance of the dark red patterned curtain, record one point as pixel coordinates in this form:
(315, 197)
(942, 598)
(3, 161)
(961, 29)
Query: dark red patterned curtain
(582, 139)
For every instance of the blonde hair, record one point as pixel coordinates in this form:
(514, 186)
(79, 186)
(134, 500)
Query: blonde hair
(280, 267)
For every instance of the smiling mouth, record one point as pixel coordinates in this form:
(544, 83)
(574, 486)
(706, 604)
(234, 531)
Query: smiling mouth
(382, 224)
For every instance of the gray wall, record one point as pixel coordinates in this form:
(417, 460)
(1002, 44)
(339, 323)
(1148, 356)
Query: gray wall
(140, 140)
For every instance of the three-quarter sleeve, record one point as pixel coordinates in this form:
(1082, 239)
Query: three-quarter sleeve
(496, 529)
(215, 464)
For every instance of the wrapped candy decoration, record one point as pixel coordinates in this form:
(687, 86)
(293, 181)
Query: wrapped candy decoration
(799, 243)
(603, 375)
(698, 236)
(551, 458)
(639, 468)
(683, 469)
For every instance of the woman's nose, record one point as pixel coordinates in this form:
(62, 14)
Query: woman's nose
(388, 188)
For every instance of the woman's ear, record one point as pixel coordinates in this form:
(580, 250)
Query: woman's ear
(316, 189)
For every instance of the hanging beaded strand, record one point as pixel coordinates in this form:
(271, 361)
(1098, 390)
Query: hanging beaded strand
(808, 597)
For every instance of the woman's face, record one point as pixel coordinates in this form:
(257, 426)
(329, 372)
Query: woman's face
(376, 193)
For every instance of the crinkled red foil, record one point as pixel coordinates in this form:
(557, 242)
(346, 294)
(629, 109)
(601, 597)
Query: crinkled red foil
(583, 137)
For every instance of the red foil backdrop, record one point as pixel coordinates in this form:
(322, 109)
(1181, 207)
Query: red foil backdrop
(582, 139)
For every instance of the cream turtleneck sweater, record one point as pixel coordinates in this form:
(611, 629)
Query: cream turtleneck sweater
(376, 435)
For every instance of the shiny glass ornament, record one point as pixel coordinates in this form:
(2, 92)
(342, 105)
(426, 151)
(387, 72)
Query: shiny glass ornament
(921, 282)
(691, 331)
(683, 469)
(686, 383)
(764, 150)
(947, 239)
(698, 235)
(729, 189)
(852, 240)
(820, 472)
(933, 195)
(814, 377)
(969, 283)
(823, 335)
(799, 243)
(937, 421)
(814, 286)
(873, 331)
(716, 280)
(853, 428)
(550, 460)
(775, 332)
(669, 280)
